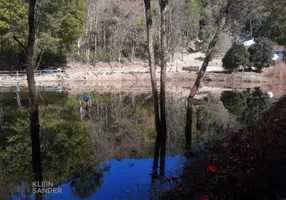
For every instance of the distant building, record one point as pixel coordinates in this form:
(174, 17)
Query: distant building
(279, 52)
(248, 43)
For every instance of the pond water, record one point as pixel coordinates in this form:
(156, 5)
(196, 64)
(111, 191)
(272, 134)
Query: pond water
(105, 151)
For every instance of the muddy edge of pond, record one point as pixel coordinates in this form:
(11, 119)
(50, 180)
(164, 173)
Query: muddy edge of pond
(180, 88)
(92, 75)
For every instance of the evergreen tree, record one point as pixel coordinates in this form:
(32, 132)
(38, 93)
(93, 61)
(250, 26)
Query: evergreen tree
(236, 56)
(261, 53)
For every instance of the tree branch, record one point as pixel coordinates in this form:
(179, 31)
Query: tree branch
(201, 74)
(39, 60)
(19, 42)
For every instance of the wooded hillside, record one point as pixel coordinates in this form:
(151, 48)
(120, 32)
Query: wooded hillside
(114, 30)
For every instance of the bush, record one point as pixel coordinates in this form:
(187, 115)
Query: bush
(236, 56)
(261, 53)
(248, 164)
(234, 101)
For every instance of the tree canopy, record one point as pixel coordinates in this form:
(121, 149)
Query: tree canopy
(236, 56)
(58, 24)
(261, 53)
(99, 30)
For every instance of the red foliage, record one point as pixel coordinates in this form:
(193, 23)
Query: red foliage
(204, 197)
(243, 157)
(212, 168)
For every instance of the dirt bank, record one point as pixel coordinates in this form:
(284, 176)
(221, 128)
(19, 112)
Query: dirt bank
(140, 74)
(139, 71)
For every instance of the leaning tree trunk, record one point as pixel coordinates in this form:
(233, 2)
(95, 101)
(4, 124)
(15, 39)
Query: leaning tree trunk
(201, 74)
(34, 111)
(163, 48)
(151, 59)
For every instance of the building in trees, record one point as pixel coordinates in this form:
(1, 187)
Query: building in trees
(279, 52)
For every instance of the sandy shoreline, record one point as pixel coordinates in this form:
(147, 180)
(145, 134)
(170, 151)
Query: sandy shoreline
(79, 78)
(136, 75)
(139, 71)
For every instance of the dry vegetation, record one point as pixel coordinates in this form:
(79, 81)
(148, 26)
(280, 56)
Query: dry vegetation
(277, 74)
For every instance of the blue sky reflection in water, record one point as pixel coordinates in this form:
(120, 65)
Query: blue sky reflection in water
(123, 181)
(126, 179)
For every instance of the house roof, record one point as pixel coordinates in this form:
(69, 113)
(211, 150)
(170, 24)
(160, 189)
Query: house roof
(279, 48)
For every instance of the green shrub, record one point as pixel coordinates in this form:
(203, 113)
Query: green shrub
(236, 56)
(261, 53)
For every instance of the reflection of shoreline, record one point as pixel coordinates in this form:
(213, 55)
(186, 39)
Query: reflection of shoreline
(116, 131)
(179, 89)
(18, 99)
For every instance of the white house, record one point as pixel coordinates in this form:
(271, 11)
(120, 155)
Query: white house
(248, 43)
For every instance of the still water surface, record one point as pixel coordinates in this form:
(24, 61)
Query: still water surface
(105, 151)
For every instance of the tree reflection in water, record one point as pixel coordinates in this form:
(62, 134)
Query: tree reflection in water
(86, 183)
(120, 126)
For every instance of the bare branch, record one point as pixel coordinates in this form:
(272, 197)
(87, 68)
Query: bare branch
(19, 42)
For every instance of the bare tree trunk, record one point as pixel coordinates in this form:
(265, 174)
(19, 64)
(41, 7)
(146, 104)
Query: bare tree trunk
(133, 52)
(87, 31)
(151, 59)
(163, 133)
(119, 54)
(250, 22)
(78, 45)
(39, 60)
(201, 74)
(34, 111)
(87, 51)
(104, 38)
(96, 27)
(95, 45)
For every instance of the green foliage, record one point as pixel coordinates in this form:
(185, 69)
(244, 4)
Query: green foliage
(247, 105)
(211, 119)
(261, 53)
(234, 101)
(13, 16)
(58, 23)
(209, 15)
(257, 103)
(191, 18)
(64, 141)
(120, 126)
(252, 158)
(88, 182)
(236, 56)
(13, 22)
(272, 25)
